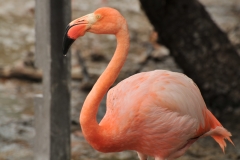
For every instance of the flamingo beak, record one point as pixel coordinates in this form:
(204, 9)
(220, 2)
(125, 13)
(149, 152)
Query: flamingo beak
(67, 41)
(74, 30)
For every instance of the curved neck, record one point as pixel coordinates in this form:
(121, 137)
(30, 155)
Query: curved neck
(88, 121)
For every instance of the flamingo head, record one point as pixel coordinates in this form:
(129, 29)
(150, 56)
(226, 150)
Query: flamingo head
(103, 21)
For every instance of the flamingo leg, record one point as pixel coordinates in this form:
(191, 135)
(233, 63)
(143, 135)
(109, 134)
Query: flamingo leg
(142, 156)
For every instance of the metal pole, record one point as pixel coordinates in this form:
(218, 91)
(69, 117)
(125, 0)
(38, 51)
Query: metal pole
(52, 118)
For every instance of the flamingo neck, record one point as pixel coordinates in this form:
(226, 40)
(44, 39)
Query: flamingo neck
(90, 127)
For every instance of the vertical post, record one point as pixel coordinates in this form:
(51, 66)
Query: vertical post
(52, 118)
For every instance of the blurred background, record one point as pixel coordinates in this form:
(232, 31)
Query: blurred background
(21, 80)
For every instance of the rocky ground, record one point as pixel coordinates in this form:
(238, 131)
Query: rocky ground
(16, 107)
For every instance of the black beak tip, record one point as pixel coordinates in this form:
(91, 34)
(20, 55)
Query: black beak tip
(67, 41)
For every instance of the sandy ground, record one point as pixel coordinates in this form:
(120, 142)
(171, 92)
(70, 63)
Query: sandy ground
(17, 39)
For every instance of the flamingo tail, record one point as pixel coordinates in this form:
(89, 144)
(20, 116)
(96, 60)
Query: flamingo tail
(218, 132)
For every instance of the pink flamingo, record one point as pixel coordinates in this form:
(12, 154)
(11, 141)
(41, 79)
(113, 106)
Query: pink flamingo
(157, 113)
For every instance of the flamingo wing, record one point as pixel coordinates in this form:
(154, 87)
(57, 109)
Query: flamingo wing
(160, 88)
(161, 113)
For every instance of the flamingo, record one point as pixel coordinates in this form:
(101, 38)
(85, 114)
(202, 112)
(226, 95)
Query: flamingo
(158, 113)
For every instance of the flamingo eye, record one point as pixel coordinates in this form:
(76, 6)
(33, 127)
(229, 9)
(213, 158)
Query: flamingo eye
(98, 16)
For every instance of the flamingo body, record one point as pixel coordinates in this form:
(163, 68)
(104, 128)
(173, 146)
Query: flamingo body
(157, 113)
(160, 112)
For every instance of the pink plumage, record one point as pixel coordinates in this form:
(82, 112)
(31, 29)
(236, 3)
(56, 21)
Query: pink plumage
(162, 110)
(158, 113)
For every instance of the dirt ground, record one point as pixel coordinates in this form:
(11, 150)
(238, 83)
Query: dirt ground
(16, 108)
